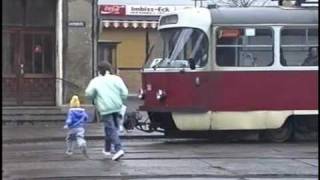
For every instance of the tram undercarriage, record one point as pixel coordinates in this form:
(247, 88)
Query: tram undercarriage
(302, 126)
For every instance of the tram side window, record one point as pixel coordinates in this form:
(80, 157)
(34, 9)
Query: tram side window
(299, 47)
(244, 47)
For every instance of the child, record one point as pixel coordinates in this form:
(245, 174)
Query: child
(76, 119)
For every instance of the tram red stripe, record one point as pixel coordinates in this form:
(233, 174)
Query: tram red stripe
(235, 91)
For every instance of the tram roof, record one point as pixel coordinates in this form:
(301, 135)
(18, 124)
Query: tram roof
(264, 15)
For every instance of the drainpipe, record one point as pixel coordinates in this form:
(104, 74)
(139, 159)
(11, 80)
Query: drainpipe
(94, 36)
(59, 57)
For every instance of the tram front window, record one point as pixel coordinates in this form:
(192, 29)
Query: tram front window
(180, 45)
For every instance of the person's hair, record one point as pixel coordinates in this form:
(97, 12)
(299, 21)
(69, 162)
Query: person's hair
(280, 2)
(298, 3)
(75, 102)
(310, 50)
(104, 66)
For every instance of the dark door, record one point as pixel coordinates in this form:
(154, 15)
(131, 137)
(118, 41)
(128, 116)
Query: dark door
(107, 51)
(28, 67)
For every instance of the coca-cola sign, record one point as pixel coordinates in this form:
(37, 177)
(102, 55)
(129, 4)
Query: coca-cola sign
(119, 10)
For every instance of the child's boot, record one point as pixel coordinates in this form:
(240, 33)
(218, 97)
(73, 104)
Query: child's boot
(70, 147)
(84, 151)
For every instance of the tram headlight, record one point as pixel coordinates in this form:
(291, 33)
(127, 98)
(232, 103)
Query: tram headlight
(141, 94)
(161, 94)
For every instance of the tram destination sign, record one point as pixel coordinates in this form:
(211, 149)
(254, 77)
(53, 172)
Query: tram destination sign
(77, 24)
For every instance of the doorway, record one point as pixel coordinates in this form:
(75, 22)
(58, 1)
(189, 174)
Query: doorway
(28, 52)
(107, 51)
(28, 67)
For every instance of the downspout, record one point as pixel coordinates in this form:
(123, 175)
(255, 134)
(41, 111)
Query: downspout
(59, 57)
(94, 36)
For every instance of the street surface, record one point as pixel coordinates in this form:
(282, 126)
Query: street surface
(159, 158)
(37, 151)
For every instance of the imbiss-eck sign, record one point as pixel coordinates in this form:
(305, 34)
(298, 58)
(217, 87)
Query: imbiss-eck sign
(77, 24)
(148, 10)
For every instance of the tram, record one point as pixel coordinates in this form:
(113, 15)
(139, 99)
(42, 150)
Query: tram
(235, 69)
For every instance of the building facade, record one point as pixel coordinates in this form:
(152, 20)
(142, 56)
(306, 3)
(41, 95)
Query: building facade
(51, 47)
(48, 50)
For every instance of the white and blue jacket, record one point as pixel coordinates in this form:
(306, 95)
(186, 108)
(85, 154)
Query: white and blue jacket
(76, 118)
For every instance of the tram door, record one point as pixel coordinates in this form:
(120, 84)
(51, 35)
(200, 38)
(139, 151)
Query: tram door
(28, 67)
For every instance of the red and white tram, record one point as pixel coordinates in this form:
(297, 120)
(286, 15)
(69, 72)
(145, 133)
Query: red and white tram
(235, 69)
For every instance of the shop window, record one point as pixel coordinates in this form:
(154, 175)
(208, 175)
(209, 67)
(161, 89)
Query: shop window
(244, 47)
(296, 46)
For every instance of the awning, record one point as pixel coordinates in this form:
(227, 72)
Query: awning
(129, 24)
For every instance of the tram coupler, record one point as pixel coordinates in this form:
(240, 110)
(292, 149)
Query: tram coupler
(136, 120)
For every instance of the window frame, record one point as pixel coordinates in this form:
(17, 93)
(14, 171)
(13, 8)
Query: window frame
(305, 45)
(243, 27)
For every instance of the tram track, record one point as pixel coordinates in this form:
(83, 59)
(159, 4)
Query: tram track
(208, 157)
(178, 140)
(153, 160)
(125, 158)
(55, 139)
(184, 176)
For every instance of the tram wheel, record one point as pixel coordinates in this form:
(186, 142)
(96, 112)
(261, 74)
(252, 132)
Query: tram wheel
(279, 135)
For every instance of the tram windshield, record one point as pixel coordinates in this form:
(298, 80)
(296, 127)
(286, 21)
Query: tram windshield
(180, 46)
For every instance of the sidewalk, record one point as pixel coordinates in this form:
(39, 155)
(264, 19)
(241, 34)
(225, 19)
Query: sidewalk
(42, 131)
(55, 132)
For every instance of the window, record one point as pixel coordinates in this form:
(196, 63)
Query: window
(13, 12)
(39, 53)
(40, 13)
(107, 52)
(32, 13)
(244, 47)
(8, 52)
(299, 47)
(180, 47)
